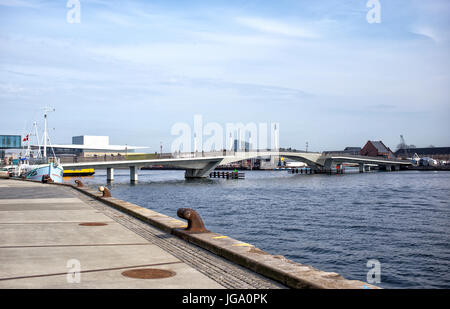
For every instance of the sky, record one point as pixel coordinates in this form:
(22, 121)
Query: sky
(133, 69)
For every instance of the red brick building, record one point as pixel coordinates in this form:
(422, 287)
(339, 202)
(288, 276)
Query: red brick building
(377, 149)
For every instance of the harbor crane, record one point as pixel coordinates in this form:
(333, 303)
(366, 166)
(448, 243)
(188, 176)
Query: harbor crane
(404, 146)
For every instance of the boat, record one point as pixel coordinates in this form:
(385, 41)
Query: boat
(80, 172)
(43, 172)
(40, 168)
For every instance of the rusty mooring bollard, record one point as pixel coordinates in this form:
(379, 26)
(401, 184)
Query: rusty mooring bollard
(106, 192)
(79, 183)
(195, 222)
(47, 179)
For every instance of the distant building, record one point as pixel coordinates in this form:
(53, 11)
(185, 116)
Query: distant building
(437, 153)
(90, 146)
(377, 149)
(9, 142)
(347, 151)
(242, 146)
(90, 140)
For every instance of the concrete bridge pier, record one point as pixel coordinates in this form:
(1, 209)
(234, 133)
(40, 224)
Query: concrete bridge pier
(201, 172)
(109, 174)
(362, 168)
(327, 166)
(133, 174)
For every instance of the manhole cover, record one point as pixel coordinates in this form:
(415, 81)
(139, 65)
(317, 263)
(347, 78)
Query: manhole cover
(93, 224)
(148, 273)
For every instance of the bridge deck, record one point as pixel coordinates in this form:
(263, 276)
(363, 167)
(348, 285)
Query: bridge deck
(200, 160)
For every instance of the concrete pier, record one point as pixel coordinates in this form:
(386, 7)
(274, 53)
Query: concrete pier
(110, 174)
(133, 174)
(361, 168)
(62, 236)
(49, 230)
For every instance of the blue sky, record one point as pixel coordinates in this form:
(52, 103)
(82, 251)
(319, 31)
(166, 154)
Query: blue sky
(132, 69)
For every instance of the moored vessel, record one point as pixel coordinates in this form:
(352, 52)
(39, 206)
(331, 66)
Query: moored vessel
(41, 167)
(79, 172)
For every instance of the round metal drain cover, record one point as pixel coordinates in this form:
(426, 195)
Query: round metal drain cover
(93, 224)
(148, 273)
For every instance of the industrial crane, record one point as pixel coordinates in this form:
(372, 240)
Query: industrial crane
(404, 146)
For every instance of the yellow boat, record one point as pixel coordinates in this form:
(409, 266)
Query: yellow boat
(82, 172)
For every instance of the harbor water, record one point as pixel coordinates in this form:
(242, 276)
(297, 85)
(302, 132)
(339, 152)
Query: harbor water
(335, 223)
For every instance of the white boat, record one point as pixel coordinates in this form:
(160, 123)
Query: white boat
(427, 162)
(42, 168)
(43, 172)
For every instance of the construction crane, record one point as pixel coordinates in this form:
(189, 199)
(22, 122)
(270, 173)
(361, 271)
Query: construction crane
(404, 146)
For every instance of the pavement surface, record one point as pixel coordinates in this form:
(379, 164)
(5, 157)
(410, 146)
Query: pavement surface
(57, 237)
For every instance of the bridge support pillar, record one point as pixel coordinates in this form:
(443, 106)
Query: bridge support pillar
(388, 168)
(362, 168)
(202, 172)
(327, 166)
(110, 174)
(396, 168)
(133, 174)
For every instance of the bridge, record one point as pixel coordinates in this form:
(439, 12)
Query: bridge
(200, 164)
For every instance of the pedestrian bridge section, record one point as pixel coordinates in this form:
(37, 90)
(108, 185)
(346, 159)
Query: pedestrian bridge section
(199, 165)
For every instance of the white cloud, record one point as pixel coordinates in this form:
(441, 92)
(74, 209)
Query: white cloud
(117, 19)
(276, 27)
(17, 3)
(428, 32)
(237, 39)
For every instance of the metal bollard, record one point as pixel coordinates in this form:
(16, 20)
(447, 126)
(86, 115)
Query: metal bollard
(47, 179)
(105, 191)
(195, 222)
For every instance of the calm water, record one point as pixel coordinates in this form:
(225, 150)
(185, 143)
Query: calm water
(332, 222)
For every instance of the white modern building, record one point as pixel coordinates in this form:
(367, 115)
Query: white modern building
(91, 146)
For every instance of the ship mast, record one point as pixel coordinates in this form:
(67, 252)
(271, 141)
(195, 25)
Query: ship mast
(37, 138)
(46, 110)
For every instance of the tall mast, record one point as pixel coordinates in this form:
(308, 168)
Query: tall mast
(45, 134)
(46, 110)
(28, 146)
(37, 138)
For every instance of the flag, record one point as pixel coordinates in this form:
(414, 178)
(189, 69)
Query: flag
(26, 138)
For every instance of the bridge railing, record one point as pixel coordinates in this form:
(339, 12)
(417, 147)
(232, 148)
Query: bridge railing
(221, 153)
(367, 157)
(203, 154)
(112, 158)
(155, 156)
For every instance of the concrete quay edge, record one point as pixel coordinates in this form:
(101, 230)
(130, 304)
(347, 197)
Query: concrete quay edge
(275, 267)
